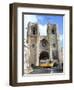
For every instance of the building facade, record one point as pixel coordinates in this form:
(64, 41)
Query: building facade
(43, 48)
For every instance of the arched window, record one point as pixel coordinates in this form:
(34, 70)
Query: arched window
(34, 30)
(55, 54)
(53, 30)
(33, 45)
(54, 45)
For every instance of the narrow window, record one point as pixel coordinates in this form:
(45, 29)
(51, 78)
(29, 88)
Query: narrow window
(33, 45)
(55, 54)
(53, 31)
(54, 45)
(34, 30)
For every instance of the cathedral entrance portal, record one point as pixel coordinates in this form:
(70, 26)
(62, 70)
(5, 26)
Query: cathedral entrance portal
(44, 57)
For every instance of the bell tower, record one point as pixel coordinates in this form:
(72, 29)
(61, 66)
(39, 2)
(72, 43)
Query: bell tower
(32, 36)
(54, 42)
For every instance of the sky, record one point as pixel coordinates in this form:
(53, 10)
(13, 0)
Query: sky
(43, 20)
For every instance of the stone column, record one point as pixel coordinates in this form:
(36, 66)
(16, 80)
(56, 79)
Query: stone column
(51, 58)
(37, 46)
(49, 27)
(58, 44)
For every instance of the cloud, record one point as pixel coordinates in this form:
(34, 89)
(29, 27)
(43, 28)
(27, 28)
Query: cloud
(42, 19)
(29, 18)
(43, 29)
(61, 40)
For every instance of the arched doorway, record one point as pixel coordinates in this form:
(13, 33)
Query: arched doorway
(43, 58)
(44, 55)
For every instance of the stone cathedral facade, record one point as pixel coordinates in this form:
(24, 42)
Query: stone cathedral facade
(43, 49)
